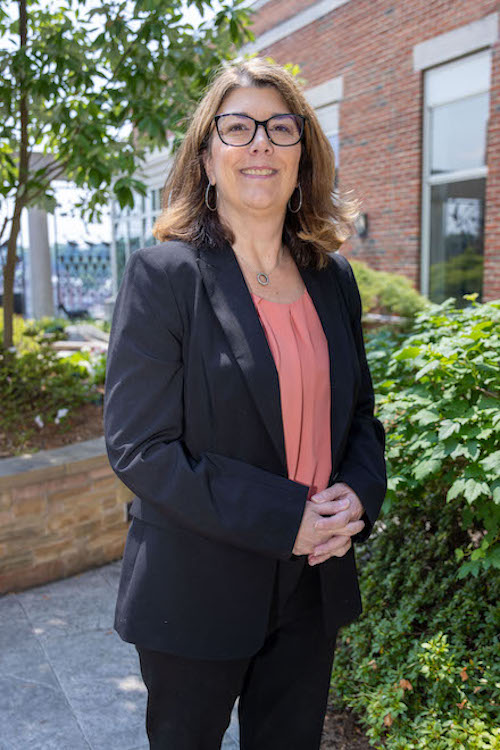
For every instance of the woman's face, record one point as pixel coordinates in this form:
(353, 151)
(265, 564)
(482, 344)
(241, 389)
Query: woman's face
(228, 166)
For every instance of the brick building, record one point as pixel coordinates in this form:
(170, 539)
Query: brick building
(409, 94)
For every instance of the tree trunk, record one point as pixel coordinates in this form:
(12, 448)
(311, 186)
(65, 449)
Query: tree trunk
(10, 264)
(8, 278)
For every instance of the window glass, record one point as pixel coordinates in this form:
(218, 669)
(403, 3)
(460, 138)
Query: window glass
(135, 233)
(328, 117)
(460, 78)
(458, 134)
(457, 229)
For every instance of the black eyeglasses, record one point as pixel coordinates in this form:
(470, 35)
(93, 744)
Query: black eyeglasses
(239, 130)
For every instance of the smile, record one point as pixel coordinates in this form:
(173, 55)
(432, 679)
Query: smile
(259, 172)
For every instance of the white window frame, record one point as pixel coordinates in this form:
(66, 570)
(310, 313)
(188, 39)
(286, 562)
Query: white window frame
(473, 38)
(328, 94)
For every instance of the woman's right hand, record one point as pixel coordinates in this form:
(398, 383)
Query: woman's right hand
(309, 536)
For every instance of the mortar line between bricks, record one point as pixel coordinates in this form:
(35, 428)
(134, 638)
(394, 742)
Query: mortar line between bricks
(84, 736)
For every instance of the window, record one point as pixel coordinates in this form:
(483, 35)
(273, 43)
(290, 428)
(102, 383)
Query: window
(456, 101)
(132, 227)
(328, 119)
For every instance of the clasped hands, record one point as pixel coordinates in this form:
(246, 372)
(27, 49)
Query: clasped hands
(330, 519)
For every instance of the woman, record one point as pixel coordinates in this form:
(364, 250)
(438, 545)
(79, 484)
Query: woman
(239, 410)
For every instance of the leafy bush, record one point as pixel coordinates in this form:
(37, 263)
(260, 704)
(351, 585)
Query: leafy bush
(439, 396)
(387, 293)
(27, 333)
(39, 386)
(421, 666)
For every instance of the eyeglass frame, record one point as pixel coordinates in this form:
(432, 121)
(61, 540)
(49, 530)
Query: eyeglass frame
(303, 118)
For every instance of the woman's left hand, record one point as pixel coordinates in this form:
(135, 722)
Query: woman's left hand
(344, 524)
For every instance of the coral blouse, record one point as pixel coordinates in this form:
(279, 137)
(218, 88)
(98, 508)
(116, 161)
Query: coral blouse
(300, 351)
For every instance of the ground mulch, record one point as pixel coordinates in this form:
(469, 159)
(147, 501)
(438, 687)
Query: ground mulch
(341, 732)
(83, 423)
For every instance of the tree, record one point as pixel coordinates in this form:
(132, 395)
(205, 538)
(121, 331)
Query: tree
(85, 91)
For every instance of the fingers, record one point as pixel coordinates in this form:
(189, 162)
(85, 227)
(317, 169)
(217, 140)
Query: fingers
(330, 507)
(331, 493)
(336, 548)
(342, 523)
(346, 533)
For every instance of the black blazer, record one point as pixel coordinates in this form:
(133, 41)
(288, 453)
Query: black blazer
(193, 427)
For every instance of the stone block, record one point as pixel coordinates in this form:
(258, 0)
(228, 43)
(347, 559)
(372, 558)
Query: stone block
(28, 492)
(27, 530)
(46, 552)
(22, 559)
(89, 529)
(30, 475)
(67, 482)
(105, 484)
(5, 500)
(33, 506)
(70, 518)
(33, 575)
(84, 464)
(102, 472)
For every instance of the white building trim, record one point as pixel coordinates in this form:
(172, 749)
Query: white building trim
(291, 25)
(258, 4)
(444, 47)
(326, 93)
(155, 167)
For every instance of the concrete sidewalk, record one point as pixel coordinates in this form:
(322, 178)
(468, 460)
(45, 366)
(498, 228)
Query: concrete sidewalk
(67, 681)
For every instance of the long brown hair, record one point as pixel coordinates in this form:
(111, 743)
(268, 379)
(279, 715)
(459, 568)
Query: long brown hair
(324, 221)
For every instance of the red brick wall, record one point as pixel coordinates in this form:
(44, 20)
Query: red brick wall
(60, 520)
(276, 11)
(371, 46)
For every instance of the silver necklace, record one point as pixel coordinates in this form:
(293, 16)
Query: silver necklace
(262, 278)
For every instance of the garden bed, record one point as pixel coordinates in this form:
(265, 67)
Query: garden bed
(84, 423)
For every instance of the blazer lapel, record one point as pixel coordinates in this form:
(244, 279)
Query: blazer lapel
(235, 310)
(324, 291)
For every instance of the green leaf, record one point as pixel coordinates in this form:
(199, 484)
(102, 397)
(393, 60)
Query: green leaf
(429, 367)
(422, 469)
(448, 428)
(426, 416)
(409, 352)
(456, 489)
(474, 489)
(492, 462)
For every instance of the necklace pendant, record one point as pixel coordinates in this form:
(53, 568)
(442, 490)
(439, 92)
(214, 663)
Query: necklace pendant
(263, 279)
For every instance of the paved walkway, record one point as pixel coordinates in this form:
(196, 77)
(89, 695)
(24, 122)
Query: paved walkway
(67, 681)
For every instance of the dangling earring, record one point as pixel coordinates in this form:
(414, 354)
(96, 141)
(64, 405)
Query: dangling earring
(210, 208)
(296, 211)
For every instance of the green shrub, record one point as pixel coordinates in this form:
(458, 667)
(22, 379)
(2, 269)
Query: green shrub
(439, 396)
(421, 665)
(28, 333)
(387, 293)
(39, 386)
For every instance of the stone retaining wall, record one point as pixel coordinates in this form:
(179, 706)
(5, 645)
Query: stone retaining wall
(61, 512)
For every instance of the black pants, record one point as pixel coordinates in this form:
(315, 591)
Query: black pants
(283, 688)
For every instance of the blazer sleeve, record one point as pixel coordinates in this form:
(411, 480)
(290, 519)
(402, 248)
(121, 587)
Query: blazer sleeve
(222, 498)
(363, 465)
